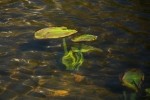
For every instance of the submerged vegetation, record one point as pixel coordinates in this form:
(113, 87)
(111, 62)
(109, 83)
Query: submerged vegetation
(132, 79)
(72, 60)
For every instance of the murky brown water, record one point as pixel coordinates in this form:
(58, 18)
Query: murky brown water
(31, 69)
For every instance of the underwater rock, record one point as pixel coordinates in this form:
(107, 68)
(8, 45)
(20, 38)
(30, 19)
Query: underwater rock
(78, 78)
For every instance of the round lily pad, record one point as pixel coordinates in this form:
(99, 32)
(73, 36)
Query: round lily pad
(53, 32)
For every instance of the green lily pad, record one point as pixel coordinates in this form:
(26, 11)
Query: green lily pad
(53, 32)
(85, 48)
(133, 79)
(84, 37)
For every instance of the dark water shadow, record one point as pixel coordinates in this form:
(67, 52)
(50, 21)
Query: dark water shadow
(53, 46)
(41, 45)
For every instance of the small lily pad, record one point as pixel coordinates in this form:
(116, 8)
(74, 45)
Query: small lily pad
(53, 32)
(84, 37)
(133, 79)
(85, 48)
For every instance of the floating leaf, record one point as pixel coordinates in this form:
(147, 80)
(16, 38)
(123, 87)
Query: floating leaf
(133, 79)
(85, 48)
(53, 32)
(84, 37)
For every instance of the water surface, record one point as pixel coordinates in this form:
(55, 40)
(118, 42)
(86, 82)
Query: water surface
(31, 69)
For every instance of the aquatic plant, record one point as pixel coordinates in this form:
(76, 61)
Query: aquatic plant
(54, 32)
(73, 58)
(85, 48)
(84, 37)
(58, 32)
(129, 96)
(147, 90)
(132, 79)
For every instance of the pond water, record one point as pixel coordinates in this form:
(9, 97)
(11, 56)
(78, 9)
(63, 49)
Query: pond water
(31, 69)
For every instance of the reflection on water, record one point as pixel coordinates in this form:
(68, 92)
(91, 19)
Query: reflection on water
(31, 69)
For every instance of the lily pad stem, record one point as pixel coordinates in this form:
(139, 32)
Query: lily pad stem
(65, 46)
(133, 96)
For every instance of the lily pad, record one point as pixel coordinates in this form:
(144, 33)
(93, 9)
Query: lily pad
(85, 48)
(53, 32)
(84, 37)
(133, 79)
